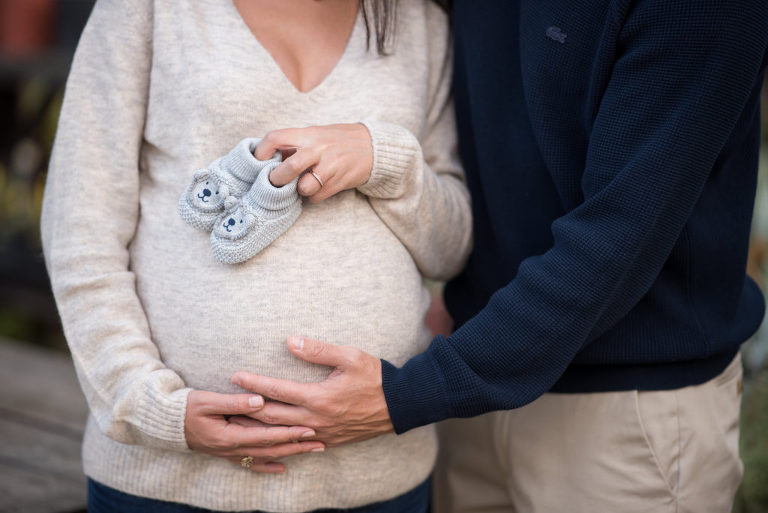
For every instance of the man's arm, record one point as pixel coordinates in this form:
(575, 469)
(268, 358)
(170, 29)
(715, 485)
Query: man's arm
(676, 92)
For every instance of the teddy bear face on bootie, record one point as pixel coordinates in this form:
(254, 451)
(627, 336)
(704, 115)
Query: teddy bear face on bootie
(234, 224)
(206, 193)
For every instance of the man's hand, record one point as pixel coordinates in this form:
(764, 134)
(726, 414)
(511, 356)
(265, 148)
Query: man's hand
(349, 406)
(214, 425)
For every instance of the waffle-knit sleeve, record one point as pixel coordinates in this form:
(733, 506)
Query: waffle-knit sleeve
(90, 213)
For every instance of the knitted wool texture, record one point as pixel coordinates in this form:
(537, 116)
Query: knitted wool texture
(251, 224)
(229, 176)
(612, 230)
(149, 314)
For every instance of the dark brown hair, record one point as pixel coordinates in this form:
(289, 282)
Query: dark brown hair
(382, 14)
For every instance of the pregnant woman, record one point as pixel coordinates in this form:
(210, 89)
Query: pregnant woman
(157, 326)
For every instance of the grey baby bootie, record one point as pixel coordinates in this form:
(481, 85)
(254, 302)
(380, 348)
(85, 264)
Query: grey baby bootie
(250, 224)
(231, 175)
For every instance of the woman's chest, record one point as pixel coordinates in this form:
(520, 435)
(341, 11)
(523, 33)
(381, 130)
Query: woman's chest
(212, 83)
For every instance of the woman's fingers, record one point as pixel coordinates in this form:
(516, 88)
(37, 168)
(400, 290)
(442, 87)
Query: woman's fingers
(282, 414)
(274, 452)
(257, 434)
(341, 156)
(287, 138)
(293, 166)
(263, 460)
(214, 425)
(309, 185)
(326, 192)
(336, 176)
(211, 403)
(284, 450)
(242, 420)
(270, 467)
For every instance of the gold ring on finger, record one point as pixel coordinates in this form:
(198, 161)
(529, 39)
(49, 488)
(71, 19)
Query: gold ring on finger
(246, 462)
(312, 172)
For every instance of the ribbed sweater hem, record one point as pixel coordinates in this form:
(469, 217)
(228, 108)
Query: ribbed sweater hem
(394, 149)
(204, 481)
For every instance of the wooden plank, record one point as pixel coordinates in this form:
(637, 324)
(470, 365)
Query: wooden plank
(21, 492)
(40, 450)
(42, 418)
(41, 384)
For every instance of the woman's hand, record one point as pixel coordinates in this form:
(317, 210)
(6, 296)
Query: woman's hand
(214, 425)
(339, 156)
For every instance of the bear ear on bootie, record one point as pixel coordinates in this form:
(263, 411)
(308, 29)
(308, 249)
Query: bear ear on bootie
(231, 175)
(230, 203)
(201, 174)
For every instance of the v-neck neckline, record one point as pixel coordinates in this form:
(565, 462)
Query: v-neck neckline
(246, 32)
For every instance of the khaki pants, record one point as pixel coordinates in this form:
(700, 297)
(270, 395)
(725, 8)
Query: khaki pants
(670, 451)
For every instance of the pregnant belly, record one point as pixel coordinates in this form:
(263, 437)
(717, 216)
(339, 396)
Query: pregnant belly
(345, 283)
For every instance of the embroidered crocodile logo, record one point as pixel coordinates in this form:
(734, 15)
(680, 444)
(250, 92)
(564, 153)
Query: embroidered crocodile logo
(555, 34)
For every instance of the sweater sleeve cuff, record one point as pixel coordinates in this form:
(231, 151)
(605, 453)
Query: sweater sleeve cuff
(415, 393)
(163, 417)
(394, 149)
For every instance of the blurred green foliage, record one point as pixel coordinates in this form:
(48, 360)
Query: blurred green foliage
(27, 311)
(753, 494)
(22, 176)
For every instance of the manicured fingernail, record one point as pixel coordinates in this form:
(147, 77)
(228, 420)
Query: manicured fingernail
(297, 343)
(319, 449)
(308, 434)
(255, 401)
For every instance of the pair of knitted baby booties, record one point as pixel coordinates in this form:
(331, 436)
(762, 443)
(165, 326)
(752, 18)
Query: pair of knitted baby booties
(234, 200)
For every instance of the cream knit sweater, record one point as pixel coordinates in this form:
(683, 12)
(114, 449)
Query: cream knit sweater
(160, 88)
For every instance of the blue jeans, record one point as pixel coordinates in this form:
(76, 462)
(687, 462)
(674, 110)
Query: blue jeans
(103, 499)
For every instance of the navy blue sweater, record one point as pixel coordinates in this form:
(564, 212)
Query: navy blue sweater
(611, 151)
